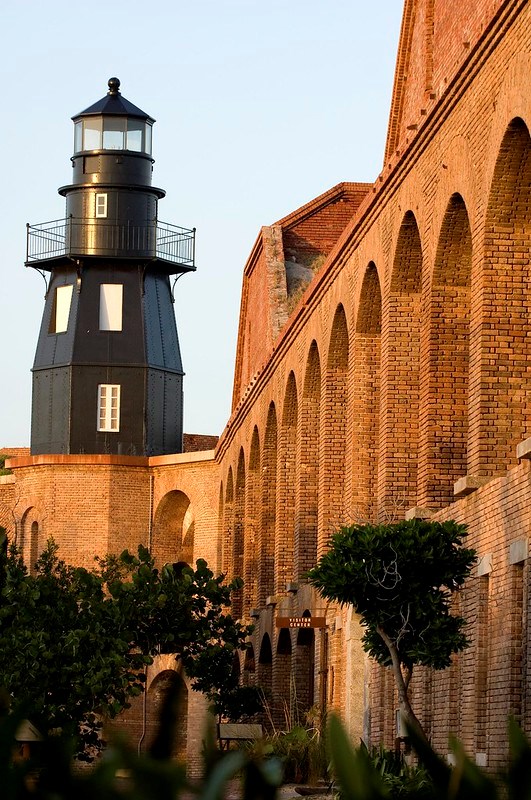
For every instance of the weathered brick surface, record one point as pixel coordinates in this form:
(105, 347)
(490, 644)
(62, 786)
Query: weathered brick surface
(415, 335)
(402, 368)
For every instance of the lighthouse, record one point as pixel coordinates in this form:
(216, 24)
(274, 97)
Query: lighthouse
(107, 375)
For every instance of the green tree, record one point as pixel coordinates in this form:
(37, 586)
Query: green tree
(74, 643)
(400, 579)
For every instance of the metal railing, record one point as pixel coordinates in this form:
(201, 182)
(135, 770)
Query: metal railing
(100, 237)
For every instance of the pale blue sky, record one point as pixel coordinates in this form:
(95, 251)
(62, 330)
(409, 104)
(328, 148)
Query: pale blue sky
(260, 107)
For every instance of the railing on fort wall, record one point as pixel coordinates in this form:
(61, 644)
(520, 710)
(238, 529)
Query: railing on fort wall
(99, 237)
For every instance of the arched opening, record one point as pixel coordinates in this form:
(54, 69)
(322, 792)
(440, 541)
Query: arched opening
(34, 545)
(228, 526)
(249, 666)
(252, 513)
(500, 413)
(173, 529)
(307, 491)
(167, 693)
(286, 481)
(221, 519)
(269, 496)
(265, 667)
(400, 376)
(30, 538)
(366, 397)
(304, 670)
(283, 712)
(444, 417)
(239, 534)
(333, 435)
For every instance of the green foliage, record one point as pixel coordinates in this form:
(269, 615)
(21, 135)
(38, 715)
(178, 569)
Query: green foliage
(51, 773)
(400, 778)
(400, 579)
(301, 751)
(360, 778)
(121, 774)
(74, 643)
(3, 468)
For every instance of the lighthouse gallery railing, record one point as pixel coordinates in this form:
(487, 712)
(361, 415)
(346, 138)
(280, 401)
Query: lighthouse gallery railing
(100, 237)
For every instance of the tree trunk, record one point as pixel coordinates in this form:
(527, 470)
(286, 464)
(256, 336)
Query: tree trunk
(403, 700)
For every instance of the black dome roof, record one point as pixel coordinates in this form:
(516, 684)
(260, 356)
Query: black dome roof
(114, 103)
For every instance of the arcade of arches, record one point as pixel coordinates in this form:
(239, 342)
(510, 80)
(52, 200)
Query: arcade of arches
(397, 383)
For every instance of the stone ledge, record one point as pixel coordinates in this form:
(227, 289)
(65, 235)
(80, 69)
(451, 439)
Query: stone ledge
(468, 484)
(484, 565)
(274, 599)
(418, 512)
(5, 479)
(518, 551)
(523, 449)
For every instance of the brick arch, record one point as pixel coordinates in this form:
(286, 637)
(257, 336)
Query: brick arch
(268, 506)
(501, 408)
(307, 470)
(445, 361)
(252, 505)
(304, 658)
(366, 398)
(238, 536)
(333, 434)
(287, 457)
(264, 672)
(282, 707)
(400, 379)
(369, 316)
(228, 521)
(166, 683)
(31, 539)
(221, 520)
(249, 666)
(173, 529)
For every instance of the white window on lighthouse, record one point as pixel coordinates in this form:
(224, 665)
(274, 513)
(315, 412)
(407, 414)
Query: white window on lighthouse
(101, 206)
(109, 407)
(111, 304)
(61, 309)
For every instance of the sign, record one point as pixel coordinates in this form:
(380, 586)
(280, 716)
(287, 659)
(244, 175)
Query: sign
(301, 622)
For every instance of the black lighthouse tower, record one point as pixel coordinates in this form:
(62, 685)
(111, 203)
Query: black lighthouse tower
(107, 376)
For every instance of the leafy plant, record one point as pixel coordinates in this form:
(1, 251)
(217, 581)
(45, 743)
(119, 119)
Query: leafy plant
(400, 578)
(359, 778)
(74, 643)
(301, 751)
(3, 468)
(51, 774)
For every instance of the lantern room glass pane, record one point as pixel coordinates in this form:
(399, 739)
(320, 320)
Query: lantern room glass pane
(92, 134)
(147, 147)
(134, 135)
(113, 133)
(78, 137)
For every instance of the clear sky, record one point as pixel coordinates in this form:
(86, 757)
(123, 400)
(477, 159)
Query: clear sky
(261, 105)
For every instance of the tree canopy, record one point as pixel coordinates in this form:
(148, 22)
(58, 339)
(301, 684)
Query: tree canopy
(74, 643)
(400, 579)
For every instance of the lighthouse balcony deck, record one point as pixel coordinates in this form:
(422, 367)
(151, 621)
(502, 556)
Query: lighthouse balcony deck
(63, 239)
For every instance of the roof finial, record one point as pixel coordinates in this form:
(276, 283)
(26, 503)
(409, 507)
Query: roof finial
(114, 86)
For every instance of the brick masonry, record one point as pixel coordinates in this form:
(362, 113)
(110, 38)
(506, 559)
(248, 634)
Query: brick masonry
(396, 367)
